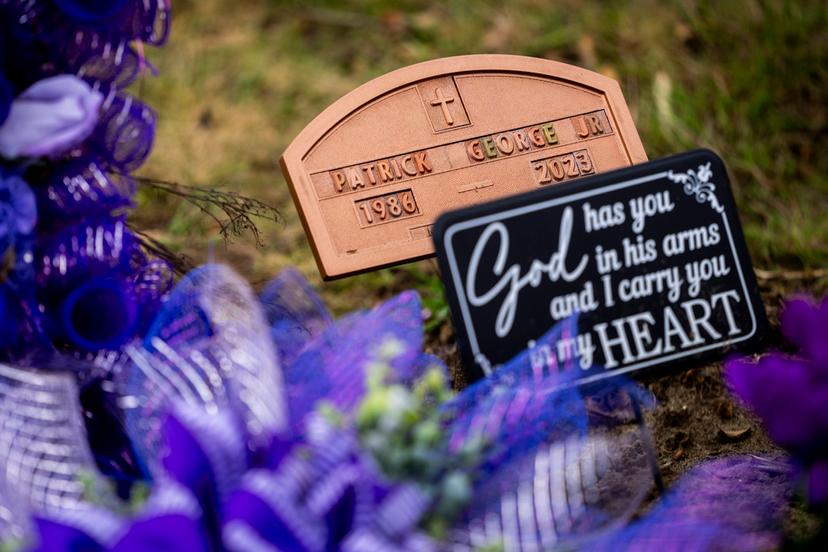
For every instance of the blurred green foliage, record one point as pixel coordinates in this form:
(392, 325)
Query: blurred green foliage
(402, 429)
(745, 78)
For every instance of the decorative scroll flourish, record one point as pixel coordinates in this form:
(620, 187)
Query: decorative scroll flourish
(697, 183)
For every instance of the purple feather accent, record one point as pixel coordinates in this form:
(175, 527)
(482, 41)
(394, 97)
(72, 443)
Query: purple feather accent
(776, 380)
(800, 383)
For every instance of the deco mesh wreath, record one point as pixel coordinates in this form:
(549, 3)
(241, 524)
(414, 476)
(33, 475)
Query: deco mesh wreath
(75, 277)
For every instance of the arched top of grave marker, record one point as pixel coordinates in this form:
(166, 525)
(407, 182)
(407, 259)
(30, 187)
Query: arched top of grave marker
(372, 172)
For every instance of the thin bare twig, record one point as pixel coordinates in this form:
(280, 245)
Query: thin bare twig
(809, 274)
(239, 210)
(179, 262)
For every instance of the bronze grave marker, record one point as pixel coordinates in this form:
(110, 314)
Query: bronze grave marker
(372, 172)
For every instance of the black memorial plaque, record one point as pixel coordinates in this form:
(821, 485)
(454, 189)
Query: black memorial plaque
(651, 257)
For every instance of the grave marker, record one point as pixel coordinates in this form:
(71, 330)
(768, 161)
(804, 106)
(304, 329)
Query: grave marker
(372, 173)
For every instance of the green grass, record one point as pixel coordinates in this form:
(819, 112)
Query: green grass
(239, 80)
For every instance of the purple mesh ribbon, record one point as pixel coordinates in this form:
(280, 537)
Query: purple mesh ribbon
(96, 284)
(209, 348)
(144, 20)
(320, 494)
(124, 135)
(204, 451)
(101, 313)
(81, 188)
(557, 494)
(549, 473)
(94, 40)
(546, 477)
(43, 446)
(294, 312)
(729, 504)
(15, 522)
(95, 247)
(518, 406)
(22, 334)
(168, 522)
(318, 486)
(203, 457)
(333, 365)
(152, 278)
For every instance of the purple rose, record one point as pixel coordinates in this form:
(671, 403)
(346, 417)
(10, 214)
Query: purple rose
(50, 117)
(18, 209)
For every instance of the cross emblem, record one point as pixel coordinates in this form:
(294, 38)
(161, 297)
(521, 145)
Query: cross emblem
(443, 102)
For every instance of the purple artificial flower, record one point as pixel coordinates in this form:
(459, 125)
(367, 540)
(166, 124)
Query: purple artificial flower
(790, 393)
(18, 209)
(805, 324)
(50, 117)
